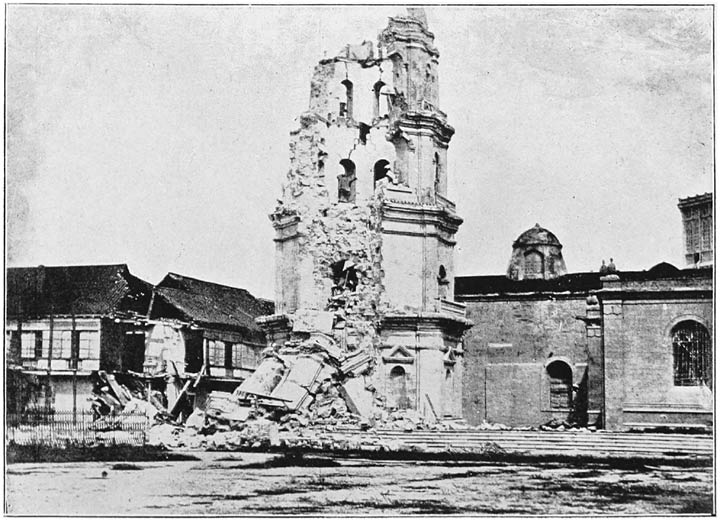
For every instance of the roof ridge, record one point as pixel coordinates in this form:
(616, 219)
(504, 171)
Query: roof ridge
(44, 266)
(178, 275)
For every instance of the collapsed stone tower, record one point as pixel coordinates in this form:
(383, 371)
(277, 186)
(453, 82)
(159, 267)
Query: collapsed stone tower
(365, 233)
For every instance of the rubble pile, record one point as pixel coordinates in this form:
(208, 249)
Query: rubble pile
(114, 394)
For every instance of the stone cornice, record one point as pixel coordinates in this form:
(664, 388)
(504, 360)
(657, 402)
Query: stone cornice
(403, 212)
(655, 294)
(426, 321)
(277, 322)
(429, 122)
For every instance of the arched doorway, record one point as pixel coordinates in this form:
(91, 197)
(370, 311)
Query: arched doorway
(559, 375)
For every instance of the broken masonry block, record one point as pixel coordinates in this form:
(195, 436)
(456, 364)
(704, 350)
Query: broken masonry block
(301, 376)
(312, 321)
(264, 379)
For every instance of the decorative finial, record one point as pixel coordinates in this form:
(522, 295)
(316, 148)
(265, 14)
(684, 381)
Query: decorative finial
(418, 13)
(603, 267)
(611, 267)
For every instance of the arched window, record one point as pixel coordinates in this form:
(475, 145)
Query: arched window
(692, 354)
(559, 375)
(346, 108)
(436, 161)
(380, 170)
(398, 397)
(377, 90)
(533, 265)
(346, 182)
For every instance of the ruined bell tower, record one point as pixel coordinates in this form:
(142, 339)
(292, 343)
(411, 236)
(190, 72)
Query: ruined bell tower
(365, 233)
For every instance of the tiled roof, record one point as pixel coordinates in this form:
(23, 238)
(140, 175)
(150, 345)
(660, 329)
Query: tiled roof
(208, 303)
(80, 290)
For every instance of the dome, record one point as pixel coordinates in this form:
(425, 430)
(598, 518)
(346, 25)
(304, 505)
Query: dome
(537, 236)
(537, 254)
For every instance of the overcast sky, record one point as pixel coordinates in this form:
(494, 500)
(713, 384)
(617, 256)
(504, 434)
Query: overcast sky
(157, 136)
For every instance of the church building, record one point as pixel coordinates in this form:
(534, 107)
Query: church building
(612, 349)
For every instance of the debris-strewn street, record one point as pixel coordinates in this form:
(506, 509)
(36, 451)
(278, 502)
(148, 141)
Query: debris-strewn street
(258, 484)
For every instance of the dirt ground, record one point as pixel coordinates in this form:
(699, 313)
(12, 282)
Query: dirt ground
(258, 484)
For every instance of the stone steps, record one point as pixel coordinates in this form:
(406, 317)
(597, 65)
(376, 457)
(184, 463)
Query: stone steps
(538, 442)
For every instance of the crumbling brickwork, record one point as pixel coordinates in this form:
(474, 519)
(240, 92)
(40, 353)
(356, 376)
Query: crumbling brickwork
(365, 232)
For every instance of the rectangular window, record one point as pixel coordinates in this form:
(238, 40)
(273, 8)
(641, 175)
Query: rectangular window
(237, 355)
(39, 339)
(62, 344)
(27, 344)
(245, 357)
(688, 236)
(707, 235)
(250, 357)
(89, 344)
(694, 236)
(216, 354)
(227, 359)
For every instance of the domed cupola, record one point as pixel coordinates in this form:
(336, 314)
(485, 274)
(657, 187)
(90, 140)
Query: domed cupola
(537, 254)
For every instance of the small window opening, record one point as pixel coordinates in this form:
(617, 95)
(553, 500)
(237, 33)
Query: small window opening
(346, 108)
(436, 161)
(344, 276)
(364, 131)
(559, 377)
(443, 282)
(377, 89)
(381, 170)
(346, 182)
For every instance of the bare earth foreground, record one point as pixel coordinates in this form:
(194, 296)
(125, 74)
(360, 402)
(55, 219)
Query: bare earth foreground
(258, 484)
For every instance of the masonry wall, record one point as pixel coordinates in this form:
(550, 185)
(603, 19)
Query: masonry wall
(640, 390)
(506, 353)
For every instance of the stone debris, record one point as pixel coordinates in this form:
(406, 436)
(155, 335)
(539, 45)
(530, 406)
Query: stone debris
(560, 425)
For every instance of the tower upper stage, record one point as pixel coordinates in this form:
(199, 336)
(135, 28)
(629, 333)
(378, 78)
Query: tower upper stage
(368, 177)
